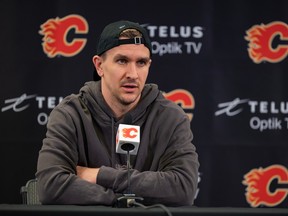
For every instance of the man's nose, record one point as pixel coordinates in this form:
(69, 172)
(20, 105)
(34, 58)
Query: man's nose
(132, 71)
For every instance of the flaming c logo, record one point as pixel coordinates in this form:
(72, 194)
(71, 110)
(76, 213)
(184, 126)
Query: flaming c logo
(129, 132)
(258, 183)
(183, 98)
(55, 33)
(260, 39)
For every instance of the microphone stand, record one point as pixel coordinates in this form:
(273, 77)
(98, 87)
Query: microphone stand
(128, 173)
(128, 199)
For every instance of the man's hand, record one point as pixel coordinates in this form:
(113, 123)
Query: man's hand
(88, 174)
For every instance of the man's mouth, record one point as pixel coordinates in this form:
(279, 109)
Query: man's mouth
(129, 87)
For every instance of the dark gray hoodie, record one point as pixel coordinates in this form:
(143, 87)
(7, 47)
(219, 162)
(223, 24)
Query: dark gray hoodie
(82, 130)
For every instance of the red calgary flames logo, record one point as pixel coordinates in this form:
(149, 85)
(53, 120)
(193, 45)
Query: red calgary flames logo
(258, 183)
(260, 39)
(183, 98)
(129, 132)
(55, 33)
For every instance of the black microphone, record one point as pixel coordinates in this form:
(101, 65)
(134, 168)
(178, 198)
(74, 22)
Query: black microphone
(127, 142)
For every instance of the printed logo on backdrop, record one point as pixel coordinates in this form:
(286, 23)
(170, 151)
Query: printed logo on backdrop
(178, 39)
(271, 109)
(184, 99)
(19, 104)
(268, 42)
(56, 40)
(266, 186)
(66, 37)
(45, 104)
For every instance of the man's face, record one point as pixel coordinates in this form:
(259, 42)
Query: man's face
(124, 71)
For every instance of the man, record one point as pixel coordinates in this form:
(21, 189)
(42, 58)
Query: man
(78, 163)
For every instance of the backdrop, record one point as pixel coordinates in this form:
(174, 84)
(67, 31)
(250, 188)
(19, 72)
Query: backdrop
(223, 62)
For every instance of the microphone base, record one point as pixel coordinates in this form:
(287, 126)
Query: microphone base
(127, 200)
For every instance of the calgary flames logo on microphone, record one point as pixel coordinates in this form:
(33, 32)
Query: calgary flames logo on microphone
(263, 45)
(129, 132)
(259, 186)
(55, 35)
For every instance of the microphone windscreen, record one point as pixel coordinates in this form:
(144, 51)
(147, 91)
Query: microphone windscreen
(128, 136)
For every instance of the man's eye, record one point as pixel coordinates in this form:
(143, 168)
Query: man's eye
(142, 63)
(122, 61)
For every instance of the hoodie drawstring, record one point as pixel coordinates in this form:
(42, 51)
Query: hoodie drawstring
(113, 138)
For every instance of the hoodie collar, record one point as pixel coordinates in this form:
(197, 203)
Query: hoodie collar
(91, 92)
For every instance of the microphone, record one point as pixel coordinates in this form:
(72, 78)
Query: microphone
(128, 137)
(127, 142)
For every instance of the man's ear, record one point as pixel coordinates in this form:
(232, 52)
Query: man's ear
(97, 61)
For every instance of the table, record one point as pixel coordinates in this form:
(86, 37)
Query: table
(74, 210)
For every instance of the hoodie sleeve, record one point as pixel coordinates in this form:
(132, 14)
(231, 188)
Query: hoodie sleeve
(172, 178)
(56, 169)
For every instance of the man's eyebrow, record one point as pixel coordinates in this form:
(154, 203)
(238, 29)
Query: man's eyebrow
(144, 59)
(127, 57)
(120, 56)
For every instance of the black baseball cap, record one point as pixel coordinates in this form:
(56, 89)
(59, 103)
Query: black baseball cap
(109, 37)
